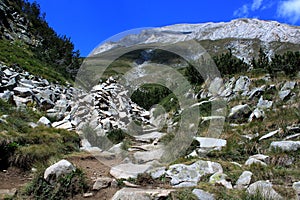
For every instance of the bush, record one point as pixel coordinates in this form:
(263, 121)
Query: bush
(65, 187)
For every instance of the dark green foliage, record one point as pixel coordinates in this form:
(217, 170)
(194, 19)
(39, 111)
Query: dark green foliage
(65, 187)
(54, 50)
(262, 61)
(149, 95)
(117, 135)
(23, 146)
(288, 62)
(193, 75)
(229, 65)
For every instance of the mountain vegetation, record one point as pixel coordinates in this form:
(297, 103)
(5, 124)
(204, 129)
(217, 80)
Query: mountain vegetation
(45, 52)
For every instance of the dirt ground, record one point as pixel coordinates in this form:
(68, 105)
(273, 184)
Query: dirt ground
(14, 178)
(93, 168)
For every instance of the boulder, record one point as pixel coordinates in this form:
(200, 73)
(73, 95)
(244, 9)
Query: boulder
(286, 145)
(211, 142)
(202, 195)
(264, 104)
(256, 114)
(23, 91)
(244, 180)
(283, 95)
(264, 188)
(141, 194)
(157, 172)
(44, 121)
(220, 178)
(129, 170)
(143, 157)
(189, 175)
(296, 187)
(58, 169)
(242, 84)
(239, 112)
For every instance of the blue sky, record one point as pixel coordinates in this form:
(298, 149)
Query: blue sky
(90, 22)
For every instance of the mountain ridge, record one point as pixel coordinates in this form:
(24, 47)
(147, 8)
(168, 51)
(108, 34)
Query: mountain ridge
(245, 37)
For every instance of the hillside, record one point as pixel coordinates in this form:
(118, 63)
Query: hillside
(27, 40)
(202, 111)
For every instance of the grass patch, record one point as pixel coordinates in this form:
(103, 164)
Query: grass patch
(23, 146)
(66, 187)
(18, 53)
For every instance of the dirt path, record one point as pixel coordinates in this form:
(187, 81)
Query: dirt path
(93, 169)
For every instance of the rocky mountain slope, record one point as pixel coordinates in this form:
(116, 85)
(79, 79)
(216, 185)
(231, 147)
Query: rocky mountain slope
(244, 144)
(243, 36)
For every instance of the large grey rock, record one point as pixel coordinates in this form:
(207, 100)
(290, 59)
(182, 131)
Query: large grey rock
(244, 180)
(242, 84)
(58, 169)
(239, 112)
(283, 95)
(264, 104)
(141, 194)
(44, 121)
(7, 96)
(129, 170)
(289, 85)
(296, 187)
(220, 178)
(202, 195)
(286, 145)
(189, 175)
(157, 172)
(264, 188)
(256, 92)
(210, 143)
(256, 114)
(147, 156)
(22, 91)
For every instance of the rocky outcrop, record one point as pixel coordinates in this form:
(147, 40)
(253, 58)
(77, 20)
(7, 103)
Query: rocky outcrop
(14, 25)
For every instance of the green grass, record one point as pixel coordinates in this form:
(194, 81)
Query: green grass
(23, 146)
(12, 53)
(66, 187)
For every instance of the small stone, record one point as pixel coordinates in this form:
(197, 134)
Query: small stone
(87, 195)
(270, 134)
(101, 183)
(220, 178)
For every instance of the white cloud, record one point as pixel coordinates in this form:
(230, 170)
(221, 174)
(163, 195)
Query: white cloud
(242, 11)
(289, 9)
(256, 4)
